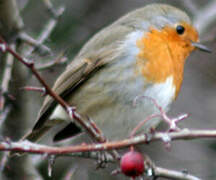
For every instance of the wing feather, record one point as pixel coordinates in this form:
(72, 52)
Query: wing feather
(102, 49)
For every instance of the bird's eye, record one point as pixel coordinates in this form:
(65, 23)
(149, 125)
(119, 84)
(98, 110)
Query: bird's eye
(180, 29)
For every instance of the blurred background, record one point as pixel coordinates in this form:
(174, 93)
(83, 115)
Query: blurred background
(79, 22)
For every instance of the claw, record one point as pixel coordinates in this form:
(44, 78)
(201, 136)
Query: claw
(102, 160)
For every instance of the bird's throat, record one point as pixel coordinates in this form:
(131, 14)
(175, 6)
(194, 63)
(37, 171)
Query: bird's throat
(162, 55)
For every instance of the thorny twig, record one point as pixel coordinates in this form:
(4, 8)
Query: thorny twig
(26, 146)
(9, 59)
(70, 110)
(34, 43)
(45, 33)
(9, 62)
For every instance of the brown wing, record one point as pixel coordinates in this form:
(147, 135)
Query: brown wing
(102, 49)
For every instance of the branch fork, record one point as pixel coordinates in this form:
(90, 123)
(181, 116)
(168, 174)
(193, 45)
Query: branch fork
(172, 122)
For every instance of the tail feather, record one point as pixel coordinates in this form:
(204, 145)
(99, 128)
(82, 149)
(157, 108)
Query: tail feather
(32, 136)
(35, 135)
(68, 131)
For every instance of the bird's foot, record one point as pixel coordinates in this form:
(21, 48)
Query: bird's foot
(103, 158)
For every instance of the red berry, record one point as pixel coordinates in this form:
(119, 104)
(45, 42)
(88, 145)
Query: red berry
(132, 164)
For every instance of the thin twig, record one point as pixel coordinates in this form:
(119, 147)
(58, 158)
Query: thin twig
(46, 32)
(4, 114)
(3, 161)
(191, 6)
(70, 173)
(59, 60)
(36, 89)
(50, 8)
(171, 174)
(34, 43)
(5, 84)
(7, 71)
(205, 16)
(70, 110)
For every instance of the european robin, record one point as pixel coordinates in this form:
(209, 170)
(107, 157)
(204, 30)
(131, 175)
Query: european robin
(141, 54)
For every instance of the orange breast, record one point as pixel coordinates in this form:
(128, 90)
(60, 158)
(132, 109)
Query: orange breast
(162, 54)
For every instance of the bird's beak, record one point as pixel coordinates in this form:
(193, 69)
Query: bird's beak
(201, 47)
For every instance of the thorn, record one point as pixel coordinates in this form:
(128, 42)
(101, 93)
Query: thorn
(149, 172)
(148, 137)
(83, 143)
(116, 171)
(8, 96)
(8, 141)
(96, 129)
(30, 64)
(3, 47)
(71, 110)
(167, 141)
(51, 162)
(37, 89)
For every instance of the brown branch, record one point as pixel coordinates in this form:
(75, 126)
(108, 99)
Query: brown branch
(26, 146)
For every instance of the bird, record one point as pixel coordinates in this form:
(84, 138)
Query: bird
(142, 53)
